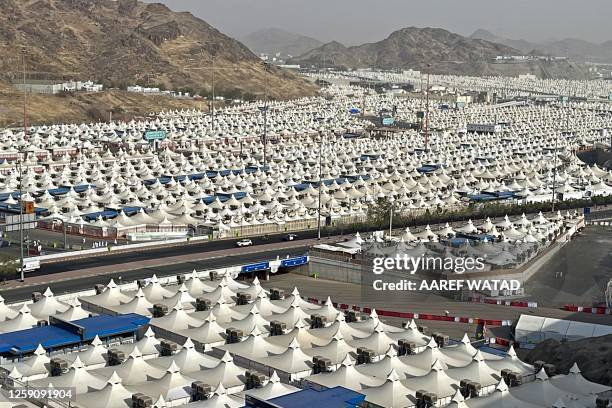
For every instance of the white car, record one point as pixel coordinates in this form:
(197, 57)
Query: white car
(244, 243)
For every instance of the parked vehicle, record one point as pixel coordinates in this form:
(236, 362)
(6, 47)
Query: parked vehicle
(290, 237)
(244, 243)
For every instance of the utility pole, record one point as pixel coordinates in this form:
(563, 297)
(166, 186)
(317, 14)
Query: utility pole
(427, 113)
(320, 184)
(554, 183)
(391, 217)
(213, 92)
(20, 159)
(265, 113)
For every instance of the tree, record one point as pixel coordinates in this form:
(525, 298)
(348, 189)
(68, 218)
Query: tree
(8, 267)
(379, 213)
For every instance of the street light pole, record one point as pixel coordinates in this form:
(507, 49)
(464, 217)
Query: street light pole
(427, 114)
(21, 257)
(391, 217)
(554, 183)
(213, 93)
(265, 112)
(19, 161)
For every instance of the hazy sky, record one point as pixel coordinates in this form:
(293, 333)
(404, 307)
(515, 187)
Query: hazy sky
(358, 21)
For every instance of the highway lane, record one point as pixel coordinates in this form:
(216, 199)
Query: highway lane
(158, 253)
(78, 284)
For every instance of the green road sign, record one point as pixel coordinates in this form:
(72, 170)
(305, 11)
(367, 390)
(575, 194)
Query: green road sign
(155, 135)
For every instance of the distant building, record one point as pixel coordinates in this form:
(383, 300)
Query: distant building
(483, 128)
(53, 87)
(142, 89)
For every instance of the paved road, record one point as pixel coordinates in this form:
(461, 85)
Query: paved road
(578, 274)
(59, 285)
(195, 249)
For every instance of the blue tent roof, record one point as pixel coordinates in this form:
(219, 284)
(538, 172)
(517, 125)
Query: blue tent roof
(25, 341)
(61, 333)
(337, 397)
(106, 325)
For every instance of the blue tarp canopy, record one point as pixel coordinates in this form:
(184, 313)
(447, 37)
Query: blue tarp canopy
(106, 325)
(26, 341)
(61, 333)
(483, 197)
(262, 266)
(301, 260)
(428, 168)
(475, 237)
(332, 397)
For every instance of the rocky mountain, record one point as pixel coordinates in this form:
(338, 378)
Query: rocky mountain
(522, 45)
(446, 52)
(120, 42)
(593, 356)
(578, 50)
(276, 40)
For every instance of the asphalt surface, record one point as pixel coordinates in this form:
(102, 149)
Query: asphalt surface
(578, 274)
(78, 284)
(157, 253)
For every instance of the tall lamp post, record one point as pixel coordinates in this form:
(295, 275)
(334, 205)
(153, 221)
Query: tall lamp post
(554, 182)
(392, 202)
(265, 114)
(427, 112)
(20, 164)
(21, 256)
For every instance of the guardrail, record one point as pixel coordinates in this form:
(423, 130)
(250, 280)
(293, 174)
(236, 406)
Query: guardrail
(421, 316)
(588, 309)
(513, 303)
(114, 248)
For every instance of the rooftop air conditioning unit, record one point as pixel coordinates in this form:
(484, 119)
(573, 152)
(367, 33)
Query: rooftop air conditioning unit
(99, 288)
(141, 401)
(115, 357)
(352, 316)
(323, 365)
(365, 355)
(159, 310)
(141, 283)
(601, 402)
(422, 329)
(464, 387)
(213, 275)
(42, 323)
(277, 328)
(58, 366)
(317, 321)
(277, 294)
(180, 279)
(441, 340)
(538, 365)
(254, 380)
(168, 348)
(406, 347)
(515, 379)
(200, 391)
(244, 298)
(234, 335)
(474, 389)
(203, 304)
(429, 399)
(36, 296)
